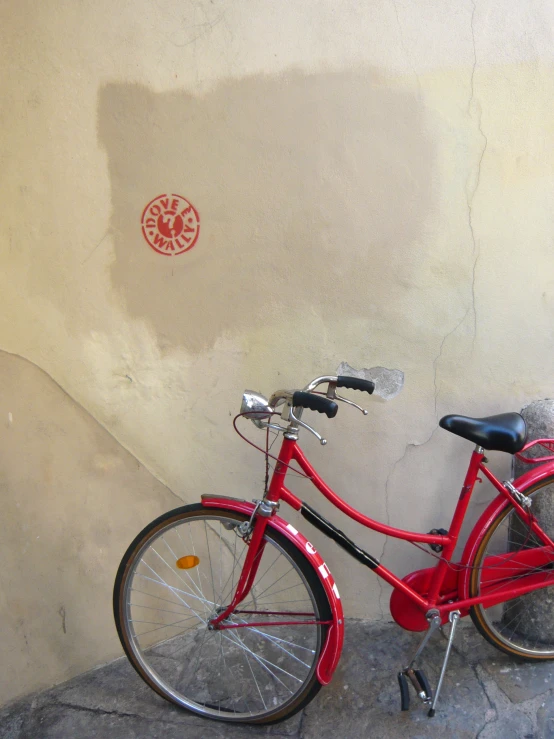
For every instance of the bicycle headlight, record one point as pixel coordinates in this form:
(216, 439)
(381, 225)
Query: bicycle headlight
(257, 407)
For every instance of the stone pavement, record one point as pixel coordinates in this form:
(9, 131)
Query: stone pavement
(485, 694)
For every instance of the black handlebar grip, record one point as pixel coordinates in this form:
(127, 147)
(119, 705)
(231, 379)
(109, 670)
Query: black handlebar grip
(356, 383)
(315, 403)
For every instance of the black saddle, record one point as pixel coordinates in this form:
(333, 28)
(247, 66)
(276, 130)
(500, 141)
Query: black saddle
(504, 433)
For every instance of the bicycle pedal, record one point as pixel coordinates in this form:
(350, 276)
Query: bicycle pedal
(425, 692)
(420, 683)
(404, 692)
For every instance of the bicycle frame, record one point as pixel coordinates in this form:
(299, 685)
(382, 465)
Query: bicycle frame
(439, 588)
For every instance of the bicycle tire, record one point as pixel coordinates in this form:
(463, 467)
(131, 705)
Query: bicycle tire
(230, 675)
(515, 626)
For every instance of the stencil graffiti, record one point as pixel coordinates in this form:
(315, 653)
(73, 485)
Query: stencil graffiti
(170, 224)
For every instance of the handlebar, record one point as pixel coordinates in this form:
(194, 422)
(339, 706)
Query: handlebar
(352, 383)
(260, 410)
(318, 403)
(356, 383)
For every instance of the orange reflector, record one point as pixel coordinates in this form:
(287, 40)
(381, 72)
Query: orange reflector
(185, 563)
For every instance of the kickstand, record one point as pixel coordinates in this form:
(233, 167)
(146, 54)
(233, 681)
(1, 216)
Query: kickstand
(454, 617)
(417, 677)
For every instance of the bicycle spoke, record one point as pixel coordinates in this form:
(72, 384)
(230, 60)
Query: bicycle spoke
(173, 590)
(155, 608)
(209, 557)
(157, 597)
(283, 590)
(252, 671)
(229, 671)
(177, 529)
(198, 590)
(270, 638)
(229, 674)
(151, 631)
(261, 661)
(259, 595)
(271, 566)
(292, 644)
(515, 578)
(161, 623)
(231, 577)
(505, 625)
(174, 572)
(517, 624)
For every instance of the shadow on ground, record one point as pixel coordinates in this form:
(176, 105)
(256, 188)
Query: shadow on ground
(485, 694)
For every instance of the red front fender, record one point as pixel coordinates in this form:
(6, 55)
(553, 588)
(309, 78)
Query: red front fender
(523, 483)
(335, 635)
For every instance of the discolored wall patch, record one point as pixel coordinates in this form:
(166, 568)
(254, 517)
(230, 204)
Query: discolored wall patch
(290, 178)
(170, 224)
(388, 382)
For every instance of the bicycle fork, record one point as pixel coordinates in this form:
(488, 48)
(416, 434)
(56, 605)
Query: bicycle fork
(417, 677)
(255, 529)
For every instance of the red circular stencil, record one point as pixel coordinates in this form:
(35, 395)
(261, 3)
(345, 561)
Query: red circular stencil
(170, 224)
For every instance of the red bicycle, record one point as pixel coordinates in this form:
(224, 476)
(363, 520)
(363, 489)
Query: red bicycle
(228, 611)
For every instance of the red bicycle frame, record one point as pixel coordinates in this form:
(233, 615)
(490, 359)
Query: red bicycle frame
(444, 587)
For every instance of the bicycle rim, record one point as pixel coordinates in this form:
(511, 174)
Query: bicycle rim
(522, 626)
(254, 674)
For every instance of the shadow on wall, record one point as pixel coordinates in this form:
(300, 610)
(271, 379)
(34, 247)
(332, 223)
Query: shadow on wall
(311, 190)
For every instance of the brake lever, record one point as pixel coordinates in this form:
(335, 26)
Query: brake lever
(322, 441)
(350, 402)
(332, 395)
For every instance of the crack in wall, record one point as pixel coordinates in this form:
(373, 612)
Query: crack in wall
(92, 251)
(61, 613)
(380, 599)
(470, 196)
(476, 252)
(405, 48)
(387, 514)
(470, 193)
(96, 420)
(439, 355)
(409, 445)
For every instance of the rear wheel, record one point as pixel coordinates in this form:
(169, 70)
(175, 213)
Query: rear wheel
(522, 626)
(176, 575)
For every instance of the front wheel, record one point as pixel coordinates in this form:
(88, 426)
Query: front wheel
(178, 573)
(522, 626)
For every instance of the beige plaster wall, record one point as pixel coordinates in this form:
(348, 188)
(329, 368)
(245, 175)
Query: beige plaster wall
(72, 500)
(374, 183)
